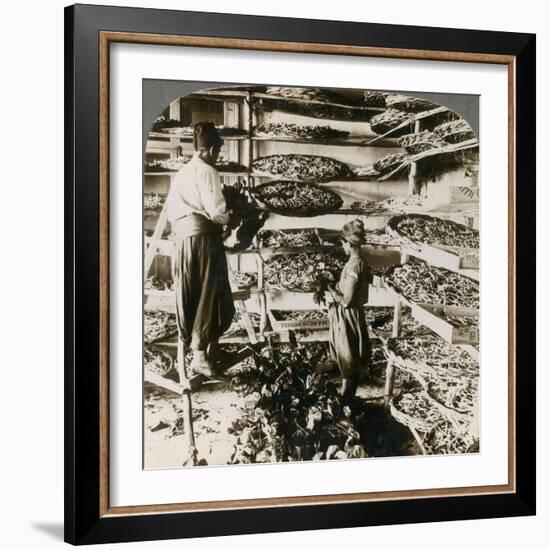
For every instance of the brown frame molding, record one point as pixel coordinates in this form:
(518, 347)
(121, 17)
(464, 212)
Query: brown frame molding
(105, 39)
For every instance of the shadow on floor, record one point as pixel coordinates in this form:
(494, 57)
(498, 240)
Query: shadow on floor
(53, 530)
(382, 435)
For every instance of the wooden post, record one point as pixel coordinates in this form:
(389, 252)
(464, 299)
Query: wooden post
(262, 298)
(191, 451)
(413, 187)
(250, 129)
(396, 328)
(413, 170)
(175, 114)
(390, 368)
(388, 387)
(151, 251)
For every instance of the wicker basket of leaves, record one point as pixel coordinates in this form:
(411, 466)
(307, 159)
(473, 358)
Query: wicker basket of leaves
(409, 104)
(391, 119)
(414, 410)
(420, 142)
(455, 131)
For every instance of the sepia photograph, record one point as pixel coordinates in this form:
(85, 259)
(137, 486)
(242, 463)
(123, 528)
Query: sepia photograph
(310, 274)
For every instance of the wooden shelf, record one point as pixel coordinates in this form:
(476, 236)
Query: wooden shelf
(184, 137)
(350, 141)
(171, 173)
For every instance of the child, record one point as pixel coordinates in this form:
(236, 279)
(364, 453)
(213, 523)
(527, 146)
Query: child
(348, 336)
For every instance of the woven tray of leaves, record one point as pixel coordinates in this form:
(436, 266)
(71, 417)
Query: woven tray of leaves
(415, 410)
(409, 104)
(238, 327)
(290, 238)
(417, 282)
(313, 102)
(245, 280)
(390, 119)
(300, 272)
(448, 374)
(390, 163)
(420, 142)
(448, 438)
(160, 362)
(312, 94)
(309, 168)
(455, 131)
(290, 131)
(173, 165)
(158, 325)
(374, 98)
(383, 326)
(290, 198)
(421, 228)
(153, 201)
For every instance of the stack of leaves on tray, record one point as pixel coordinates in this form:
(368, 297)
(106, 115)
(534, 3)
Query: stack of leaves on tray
(302, 315)
(390, 119)
(414, 409)
(159, 361)
(238, 328)
(311, 168)
(382, 323)
(291, 198)
(300, 272)
(286, 130)
(276, 238)
(389, 163)
(312, 102)
(153, 201)
(448, 374)
(409, 104)
(455, 131)
(372, 208)
(422, 283)
(311, 94)
(448, 438)
(294, 414)
(420, 142)
(173, 165)
(158, 325)
(379, 237)
(245, 280)
(421, 228)
(374, 98)
(161, 123)
(157, 283)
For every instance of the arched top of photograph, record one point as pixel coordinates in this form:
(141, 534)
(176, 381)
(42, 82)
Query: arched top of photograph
(408, 129)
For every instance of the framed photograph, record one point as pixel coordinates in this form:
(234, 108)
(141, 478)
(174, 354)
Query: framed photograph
(300, 274)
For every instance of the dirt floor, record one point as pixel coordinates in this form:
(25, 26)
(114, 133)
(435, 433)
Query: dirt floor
(216, 407)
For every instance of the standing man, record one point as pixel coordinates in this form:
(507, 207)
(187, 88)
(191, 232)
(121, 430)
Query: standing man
(198, 213)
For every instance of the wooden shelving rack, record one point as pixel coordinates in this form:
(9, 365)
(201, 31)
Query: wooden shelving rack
(247, 99)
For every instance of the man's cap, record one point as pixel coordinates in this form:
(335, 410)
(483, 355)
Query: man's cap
(206, 135)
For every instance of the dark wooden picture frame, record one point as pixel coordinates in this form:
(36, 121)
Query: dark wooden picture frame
(89, 31)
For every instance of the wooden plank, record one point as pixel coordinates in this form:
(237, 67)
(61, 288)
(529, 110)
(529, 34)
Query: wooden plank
(151, 252)
(431, 316)
(170, 385)
(452, 259)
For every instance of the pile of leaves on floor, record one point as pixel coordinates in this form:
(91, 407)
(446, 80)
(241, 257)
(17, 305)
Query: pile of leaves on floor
(293, 413)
